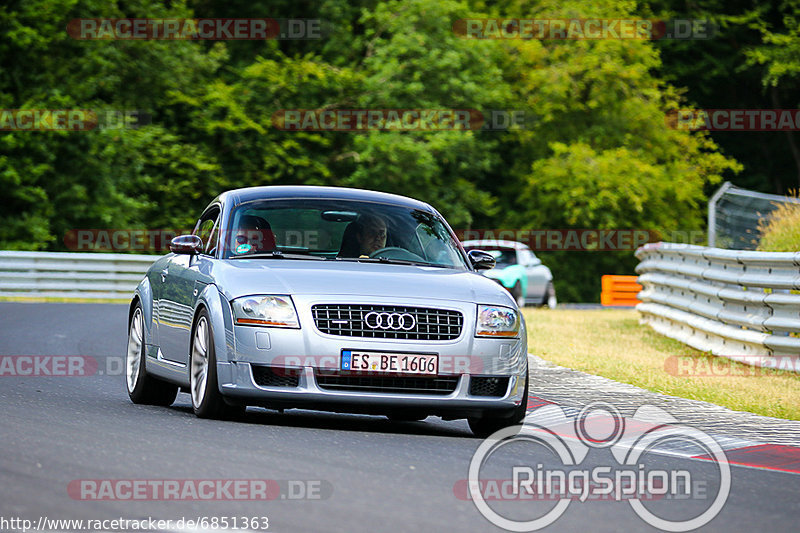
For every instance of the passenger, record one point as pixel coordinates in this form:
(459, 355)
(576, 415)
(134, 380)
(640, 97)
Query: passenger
(254, 235)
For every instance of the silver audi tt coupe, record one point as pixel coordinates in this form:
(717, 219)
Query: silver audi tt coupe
(329, 299)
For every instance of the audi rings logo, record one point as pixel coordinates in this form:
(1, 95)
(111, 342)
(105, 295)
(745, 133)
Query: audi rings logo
(395, 321)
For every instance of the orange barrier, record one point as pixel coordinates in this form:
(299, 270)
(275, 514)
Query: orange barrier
(619, 291)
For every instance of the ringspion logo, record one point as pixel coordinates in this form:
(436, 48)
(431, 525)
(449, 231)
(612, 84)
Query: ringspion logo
(630, 477)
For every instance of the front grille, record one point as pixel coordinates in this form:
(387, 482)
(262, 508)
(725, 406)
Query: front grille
(488, 386)
(266, 376)
(403, 385)
(349, 321)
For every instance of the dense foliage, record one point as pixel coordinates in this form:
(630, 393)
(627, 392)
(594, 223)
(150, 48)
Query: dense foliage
(597, 153)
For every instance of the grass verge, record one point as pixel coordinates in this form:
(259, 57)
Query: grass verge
(612, 343)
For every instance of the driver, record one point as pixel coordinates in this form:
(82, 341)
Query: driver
(370, 234)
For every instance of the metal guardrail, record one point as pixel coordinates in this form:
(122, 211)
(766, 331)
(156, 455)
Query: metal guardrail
(732, 303)
(71, 275)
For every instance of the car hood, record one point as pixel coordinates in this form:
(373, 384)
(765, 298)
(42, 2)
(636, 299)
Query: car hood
(241, 277)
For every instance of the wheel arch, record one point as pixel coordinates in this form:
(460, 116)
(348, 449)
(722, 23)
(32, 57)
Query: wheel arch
(135, 300)
(221, 324)
(144, 297)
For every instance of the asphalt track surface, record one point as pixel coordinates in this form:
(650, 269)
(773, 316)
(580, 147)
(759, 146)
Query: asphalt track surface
(375, 475)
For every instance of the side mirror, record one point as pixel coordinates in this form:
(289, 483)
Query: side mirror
(481, 260)
(535, 262)
(186, 244)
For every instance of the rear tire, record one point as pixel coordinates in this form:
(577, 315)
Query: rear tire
(207, 401)
(550, 301)
(485, 426)
(143, 388)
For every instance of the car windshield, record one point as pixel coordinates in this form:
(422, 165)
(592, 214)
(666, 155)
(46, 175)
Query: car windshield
(346, 230)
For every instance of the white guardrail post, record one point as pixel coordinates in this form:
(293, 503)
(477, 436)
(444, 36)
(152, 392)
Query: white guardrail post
(71, 275)
(743, 305)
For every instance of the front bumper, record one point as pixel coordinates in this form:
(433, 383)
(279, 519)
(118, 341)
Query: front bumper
(242, 389)
(313, 353)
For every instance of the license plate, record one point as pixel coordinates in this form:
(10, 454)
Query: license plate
(389, 363)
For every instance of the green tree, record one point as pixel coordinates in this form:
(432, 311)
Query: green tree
(595, 153)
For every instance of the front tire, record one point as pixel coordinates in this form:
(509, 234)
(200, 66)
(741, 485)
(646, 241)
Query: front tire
(550, 301)
(516, 292)
(143, 388)
(207, 401)
(485, 426)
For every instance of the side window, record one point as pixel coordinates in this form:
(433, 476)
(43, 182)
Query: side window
(433, 249)
(430, 247)
(527, 258)
(211, 245)
(207, 229)
(423, 236)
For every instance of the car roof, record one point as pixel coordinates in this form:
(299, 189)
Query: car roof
(238, 196)
(495, 244)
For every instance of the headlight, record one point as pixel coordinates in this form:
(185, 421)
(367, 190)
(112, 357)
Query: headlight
(265, 310)
(497, 321)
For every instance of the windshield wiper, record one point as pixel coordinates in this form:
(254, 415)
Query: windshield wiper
(388, 261)
(277, 254)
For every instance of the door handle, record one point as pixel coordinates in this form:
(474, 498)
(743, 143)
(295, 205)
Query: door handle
(164, 274)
